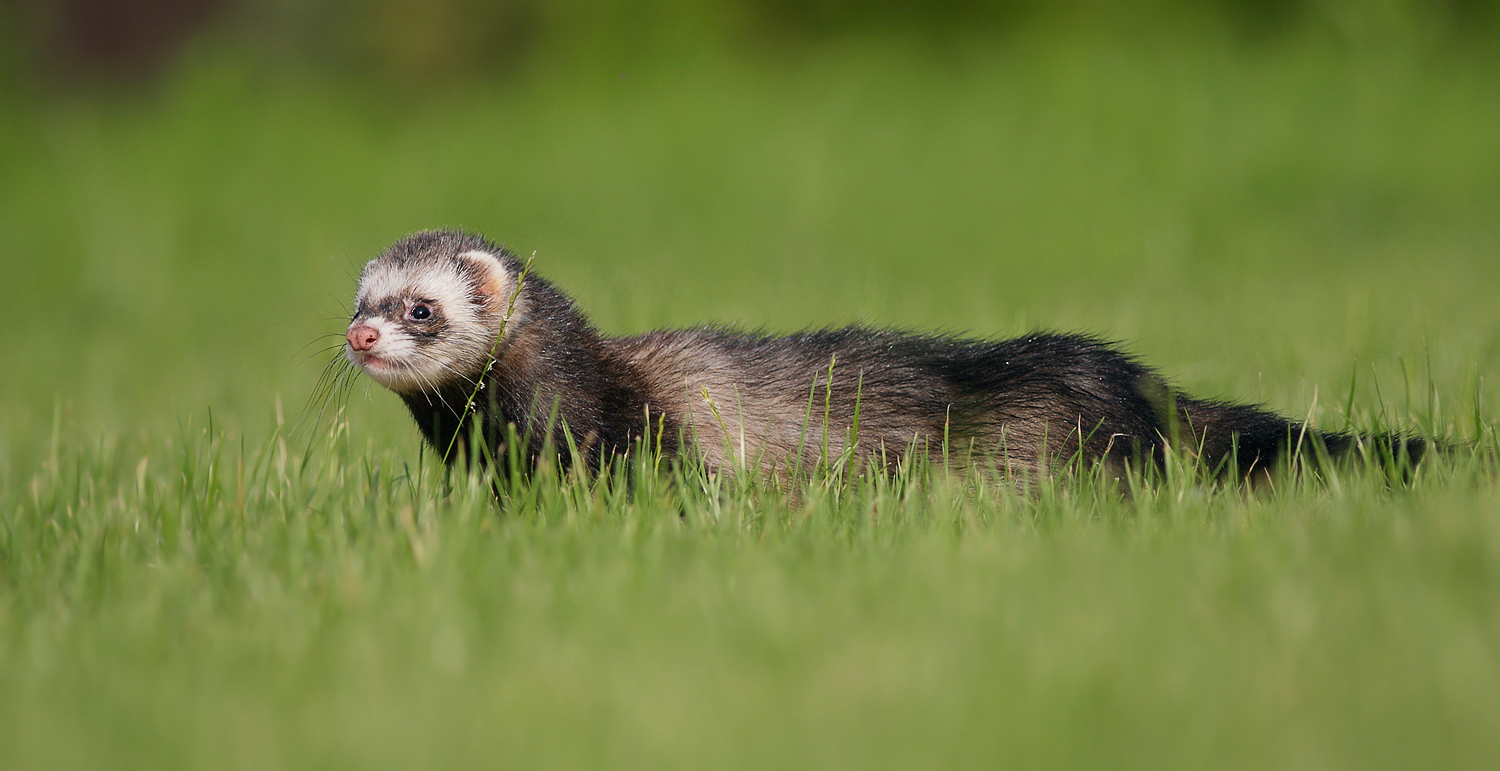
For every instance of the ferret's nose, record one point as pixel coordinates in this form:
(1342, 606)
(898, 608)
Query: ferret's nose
(362, 338)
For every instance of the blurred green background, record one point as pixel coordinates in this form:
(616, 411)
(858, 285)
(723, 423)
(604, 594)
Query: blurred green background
(1293, 202)
(1268, 200)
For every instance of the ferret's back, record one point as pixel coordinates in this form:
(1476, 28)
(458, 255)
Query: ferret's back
(759, 399)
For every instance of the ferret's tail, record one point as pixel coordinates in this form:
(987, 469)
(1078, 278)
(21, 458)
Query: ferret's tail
(1248, 441)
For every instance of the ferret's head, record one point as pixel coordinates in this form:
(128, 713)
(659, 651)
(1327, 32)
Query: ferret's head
(428, 311)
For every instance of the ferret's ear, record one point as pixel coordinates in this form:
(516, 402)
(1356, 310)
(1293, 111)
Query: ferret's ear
(493, 280)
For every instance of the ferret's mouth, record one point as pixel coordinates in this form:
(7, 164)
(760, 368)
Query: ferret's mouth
(364, 358)
(393, 372)
(371, 361)
(382, 370)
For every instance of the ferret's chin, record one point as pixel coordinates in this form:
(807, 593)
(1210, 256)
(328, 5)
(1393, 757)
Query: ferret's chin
(388, 374)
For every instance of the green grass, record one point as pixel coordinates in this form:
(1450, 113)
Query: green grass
(192, 576)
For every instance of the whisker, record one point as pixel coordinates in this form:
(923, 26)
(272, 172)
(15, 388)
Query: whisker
(430, 389)
(320, 351)
(447, 366)
(348, 271)
(331, 388)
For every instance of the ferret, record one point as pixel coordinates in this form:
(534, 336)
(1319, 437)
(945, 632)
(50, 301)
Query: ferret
(485, 353)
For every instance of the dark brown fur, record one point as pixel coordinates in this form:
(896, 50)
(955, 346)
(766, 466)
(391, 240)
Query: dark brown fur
(772, 403)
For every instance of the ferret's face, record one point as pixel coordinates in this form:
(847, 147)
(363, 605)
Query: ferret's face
(424, 324)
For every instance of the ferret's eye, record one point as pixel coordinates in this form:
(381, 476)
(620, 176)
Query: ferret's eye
(421, 312)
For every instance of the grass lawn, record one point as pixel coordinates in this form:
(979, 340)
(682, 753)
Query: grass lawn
(195, 574)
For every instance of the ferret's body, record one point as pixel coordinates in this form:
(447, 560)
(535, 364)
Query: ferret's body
(437, 308)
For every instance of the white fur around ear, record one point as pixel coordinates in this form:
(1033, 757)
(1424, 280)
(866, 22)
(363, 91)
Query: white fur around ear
(497, 283)
(479, 255)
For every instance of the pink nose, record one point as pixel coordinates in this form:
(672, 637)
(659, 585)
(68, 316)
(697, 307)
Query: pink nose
(362, 338)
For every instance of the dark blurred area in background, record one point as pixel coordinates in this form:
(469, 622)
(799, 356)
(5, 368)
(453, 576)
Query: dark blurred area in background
(75, 39)
(71, 44)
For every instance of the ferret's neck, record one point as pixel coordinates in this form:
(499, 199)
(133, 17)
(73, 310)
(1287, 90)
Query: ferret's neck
(552, 379)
